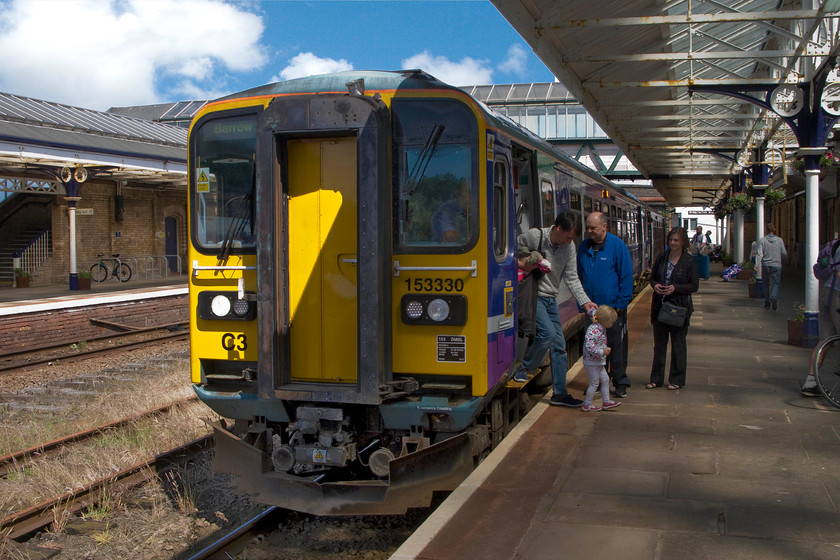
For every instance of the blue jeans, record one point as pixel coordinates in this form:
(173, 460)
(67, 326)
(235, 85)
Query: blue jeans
(549, 335)
(772, 276)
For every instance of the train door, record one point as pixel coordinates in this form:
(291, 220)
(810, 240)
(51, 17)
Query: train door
(322, 218)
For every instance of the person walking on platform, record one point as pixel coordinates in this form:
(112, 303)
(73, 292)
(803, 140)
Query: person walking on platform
(557, 244)
(829, 314)
(595, 352)
(770, 253)
(674, 278)
(606, 273)
(697, 240)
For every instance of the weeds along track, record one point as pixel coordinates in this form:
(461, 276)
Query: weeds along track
(20, 460)
(100, 346)
(52, 510)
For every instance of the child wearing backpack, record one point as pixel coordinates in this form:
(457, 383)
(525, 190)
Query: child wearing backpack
(827, 271)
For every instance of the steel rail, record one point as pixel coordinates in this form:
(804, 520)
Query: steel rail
(12, 460)
(5, 369)
(40, 515)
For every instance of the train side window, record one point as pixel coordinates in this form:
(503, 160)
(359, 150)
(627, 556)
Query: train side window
(500, 210)
(574, 201)
(587, 205)
(547, 195)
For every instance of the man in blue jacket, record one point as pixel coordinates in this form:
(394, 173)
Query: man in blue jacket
(606, 273)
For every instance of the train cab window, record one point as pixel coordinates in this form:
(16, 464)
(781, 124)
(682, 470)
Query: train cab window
(223, 183)
(500, 210)
(435, 152)
(547, 196)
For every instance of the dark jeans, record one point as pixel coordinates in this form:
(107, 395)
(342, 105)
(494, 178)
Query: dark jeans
(772, 276)
(661, 334)
(617, 360)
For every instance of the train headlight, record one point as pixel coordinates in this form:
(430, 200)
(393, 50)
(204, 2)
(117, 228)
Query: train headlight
(220, 306)
(414, 309)
(434, 309)
(241, 307)
(438, 310)
(216, 305)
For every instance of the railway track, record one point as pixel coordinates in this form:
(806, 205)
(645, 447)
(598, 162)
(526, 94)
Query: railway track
(10, 363)
(48, 449)
(43, 514)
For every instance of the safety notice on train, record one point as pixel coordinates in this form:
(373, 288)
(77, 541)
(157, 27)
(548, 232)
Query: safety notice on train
(451, 348)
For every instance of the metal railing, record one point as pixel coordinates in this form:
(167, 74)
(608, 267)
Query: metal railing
(31, 257)
(149, 267)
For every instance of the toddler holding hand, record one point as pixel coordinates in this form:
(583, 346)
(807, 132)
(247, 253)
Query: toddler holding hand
(595, 352)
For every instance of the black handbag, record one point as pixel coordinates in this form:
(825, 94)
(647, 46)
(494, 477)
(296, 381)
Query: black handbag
(672, 314)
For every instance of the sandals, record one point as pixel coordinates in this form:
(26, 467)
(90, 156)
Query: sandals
(652, 386)
(674, 387)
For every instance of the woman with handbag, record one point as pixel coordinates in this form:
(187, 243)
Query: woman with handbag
(674, 278)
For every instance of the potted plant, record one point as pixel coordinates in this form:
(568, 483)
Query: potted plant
(747, 269)
(84, 280)
(22, 278)
(794, 324)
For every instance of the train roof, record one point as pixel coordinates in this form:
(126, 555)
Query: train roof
(419, 80)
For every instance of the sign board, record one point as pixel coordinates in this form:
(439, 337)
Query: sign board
(84, 211)
(700, 212)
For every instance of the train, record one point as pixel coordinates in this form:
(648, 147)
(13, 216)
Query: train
(359, 357)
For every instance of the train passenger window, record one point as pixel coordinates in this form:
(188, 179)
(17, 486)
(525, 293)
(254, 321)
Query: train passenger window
(435, 144)
(500, 210)
(596, 206)
(223, 183)
(587, 205)
(574, 201)
(547, 195)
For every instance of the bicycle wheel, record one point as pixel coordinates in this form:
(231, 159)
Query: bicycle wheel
(124, 272)
(827, 369)
(98, 272)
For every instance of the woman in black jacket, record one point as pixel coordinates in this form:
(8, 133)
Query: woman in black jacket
(674, 278)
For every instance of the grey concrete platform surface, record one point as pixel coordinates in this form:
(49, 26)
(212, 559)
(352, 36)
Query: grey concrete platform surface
(736, 465)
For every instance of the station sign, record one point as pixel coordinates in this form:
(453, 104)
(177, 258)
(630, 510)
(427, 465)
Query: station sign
(84, 211)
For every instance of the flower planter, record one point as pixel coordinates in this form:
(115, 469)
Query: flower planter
(84, 283)
(794, 329)
(744, 275)
(22, 282)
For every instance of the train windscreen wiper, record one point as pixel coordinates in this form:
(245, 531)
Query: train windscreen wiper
(425, 157)
(237, 225)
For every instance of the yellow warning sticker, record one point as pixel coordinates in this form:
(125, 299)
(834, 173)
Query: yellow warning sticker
(318, 456)
(202, 179)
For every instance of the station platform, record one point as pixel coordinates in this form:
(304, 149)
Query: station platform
(59, 296)
(737, 464)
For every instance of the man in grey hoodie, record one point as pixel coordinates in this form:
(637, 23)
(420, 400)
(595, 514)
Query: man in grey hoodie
(770, 253)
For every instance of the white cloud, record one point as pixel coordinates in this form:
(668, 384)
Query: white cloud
(307, 64)
(466, 72)
(515, 62)
(98, 54)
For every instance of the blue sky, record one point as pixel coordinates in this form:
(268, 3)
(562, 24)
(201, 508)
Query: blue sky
(100, 53)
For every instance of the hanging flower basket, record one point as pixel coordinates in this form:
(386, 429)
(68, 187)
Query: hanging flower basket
(739, 200)
(774, 196)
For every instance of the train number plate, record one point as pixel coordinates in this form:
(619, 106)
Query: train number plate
(451, 348)
(434, 284)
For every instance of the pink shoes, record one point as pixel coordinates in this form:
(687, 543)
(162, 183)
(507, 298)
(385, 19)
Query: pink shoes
(590, 408)
(610, 404)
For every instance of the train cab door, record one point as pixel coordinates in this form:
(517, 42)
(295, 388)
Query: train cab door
(322, 265)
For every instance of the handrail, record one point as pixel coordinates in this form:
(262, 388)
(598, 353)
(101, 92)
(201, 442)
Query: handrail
(473, 269)
(36, 253)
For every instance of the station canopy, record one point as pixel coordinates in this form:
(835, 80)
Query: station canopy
(631, 64)
(39, 138)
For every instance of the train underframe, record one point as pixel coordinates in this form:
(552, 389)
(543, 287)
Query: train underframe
(343, 460)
